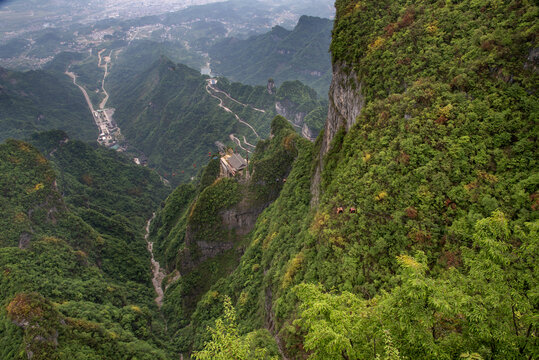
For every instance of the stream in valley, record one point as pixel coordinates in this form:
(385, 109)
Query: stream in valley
(157, 272)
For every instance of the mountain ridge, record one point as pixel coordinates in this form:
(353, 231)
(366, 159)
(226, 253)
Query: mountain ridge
(298, 54)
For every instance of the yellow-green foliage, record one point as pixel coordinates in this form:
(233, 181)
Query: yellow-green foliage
(293, 267)
(450, 123)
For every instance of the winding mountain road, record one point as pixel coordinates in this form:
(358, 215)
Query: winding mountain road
(238, 142)
(221, 105)
(246, 143)
(236, 101)
(88, 101)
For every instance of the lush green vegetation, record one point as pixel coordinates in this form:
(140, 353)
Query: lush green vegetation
(40, 100)
(190, 219)
(439, 260)
(298, 54)
(434, 255)
(75, 273)
(166, 112)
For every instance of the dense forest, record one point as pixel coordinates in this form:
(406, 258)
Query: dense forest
(408, 230)
(411, 230)
(75, 282)
(42, 100)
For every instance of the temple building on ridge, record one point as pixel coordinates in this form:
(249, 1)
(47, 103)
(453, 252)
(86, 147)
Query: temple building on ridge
(232, 164)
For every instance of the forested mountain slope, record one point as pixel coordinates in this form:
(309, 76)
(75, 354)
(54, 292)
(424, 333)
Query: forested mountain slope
(430, 149)
(174, 115)
(298, 54)
(40, 100)
(75, 280)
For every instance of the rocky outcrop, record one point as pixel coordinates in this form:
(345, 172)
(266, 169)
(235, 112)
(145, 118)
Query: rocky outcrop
(24, 240)
(345, 104)
(286, 109)
(307, 133)
(271, 87)
(240, 219)
(236, 222)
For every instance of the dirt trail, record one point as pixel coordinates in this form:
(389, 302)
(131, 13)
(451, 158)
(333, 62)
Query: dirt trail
(158, 273)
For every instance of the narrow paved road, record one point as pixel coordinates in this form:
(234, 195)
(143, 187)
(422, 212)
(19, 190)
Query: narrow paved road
(246, 143)
(238, 142)
(236, 101)
(221, 104)
(106, 67)
(88, 101)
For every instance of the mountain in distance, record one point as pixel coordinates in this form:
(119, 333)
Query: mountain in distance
(42, 100)
(421, 190)
(175, 116)
(298, 54)
(30, 36)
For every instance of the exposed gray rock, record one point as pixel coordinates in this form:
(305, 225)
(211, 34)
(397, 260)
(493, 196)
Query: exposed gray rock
(345, 104)
(284, 109)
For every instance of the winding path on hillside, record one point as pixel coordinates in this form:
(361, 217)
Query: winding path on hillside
(238, 142)
(158, 273)
(236, 101)
(246, 143)
(221, 105)
(88, 101)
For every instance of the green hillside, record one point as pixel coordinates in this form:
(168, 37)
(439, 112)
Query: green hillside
(408, 230)
(169, 113)
(434, 255)
(298, 54)
(39, 100)
(75, 278)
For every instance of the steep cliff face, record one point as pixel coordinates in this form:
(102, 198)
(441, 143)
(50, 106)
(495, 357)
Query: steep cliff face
(345, 103)
(233, 224)
(430, 133)
(203, 233)
(285, 108)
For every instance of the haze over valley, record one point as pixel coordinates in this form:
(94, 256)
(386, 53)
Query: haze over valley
(269, 180)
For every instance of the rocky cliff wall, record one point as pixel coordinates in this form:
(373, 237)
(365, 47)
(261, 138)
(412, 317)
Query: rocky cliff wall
(345, 104)
(236, 222)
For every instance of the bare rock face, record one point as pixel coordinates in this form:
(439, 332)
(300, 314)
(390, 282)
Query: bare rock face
(532, 62)
(307, 133)
(283, 108)
(271, 87)
(237, 221)
(345, 104)
(241, 219)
